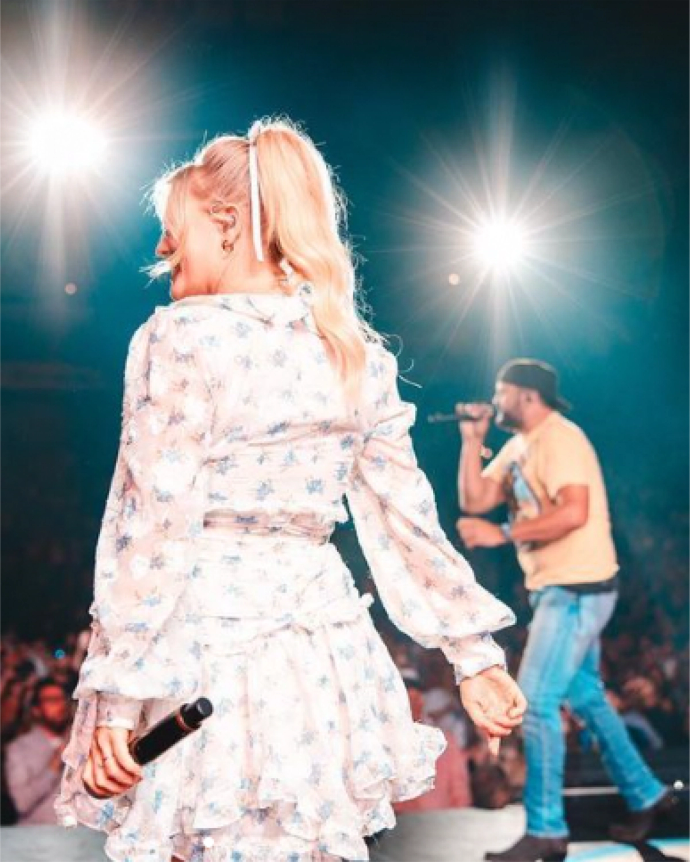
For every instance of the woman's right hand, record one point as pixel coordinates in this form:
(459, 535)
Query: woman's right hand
(110, 768)
(494, 702)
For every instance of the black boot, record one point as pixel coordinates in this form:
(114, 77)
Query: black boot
(532, 849)
(639, 824)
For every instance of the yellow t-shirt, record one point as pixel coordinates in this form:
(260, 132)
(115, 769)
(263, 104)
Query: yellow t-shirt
(532, 468)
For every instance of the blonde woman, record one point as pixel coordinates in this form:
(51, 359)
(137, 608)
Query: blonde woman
(254, 404)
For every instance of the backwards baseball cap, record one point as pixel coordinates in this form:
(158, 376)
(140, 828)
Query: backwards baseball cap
(533, 374)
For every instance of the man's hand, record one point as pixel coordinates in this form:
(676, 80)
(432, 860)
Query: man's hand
(477, 430)
(494, 702)
(478, 533)
(110, 768)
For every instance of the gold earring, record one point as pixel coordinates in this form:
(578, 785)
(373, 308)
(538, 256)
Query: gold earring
(228, 247)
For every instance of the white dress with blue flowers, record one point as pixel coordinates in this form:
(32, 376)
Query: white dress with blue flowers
(214, 577)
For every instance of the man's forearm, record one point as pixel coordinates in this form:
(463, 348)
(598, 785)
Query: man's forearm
(549, 527)
(471, 484)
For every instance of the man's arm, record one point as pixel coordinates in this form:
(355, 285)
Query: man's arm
(569, 513)
(477, 493)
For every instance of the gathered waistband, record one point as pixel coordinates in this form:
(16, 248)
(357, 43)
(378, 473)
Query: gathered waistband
(255, 574)
(305, 526)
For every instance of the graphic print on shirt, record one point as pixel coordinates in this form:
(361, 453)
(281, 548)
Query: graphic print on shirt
(522, 497)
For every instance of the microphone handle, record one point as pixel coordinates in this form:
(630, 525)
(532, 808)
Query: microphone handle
(170, 730)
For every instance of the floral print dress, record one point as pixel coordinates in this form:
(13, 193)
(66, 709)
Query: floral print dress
(214, 576)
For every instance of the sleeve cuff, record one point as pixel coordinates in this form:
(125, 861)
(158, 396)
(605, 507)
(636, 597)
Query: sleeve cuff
(478, 653)
(117, 711)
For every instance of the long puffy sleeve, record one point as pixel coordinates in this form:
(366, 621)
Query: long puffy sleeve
(426, 586)
(144, 556)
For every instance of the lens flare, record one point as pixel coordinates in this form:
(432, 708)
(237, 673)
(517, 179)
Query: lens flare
(500, 244)
(62, 143)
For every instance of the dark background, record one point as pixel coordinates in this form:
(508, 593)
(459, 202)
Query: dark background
(415, 103)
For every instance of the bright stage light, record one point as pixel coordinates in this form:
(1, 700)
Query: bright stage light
(500, 244)
(65, 143)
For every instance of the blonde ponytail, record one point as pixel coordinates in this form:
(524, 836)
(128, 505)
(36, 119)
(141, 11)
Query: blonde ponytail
(302, 216)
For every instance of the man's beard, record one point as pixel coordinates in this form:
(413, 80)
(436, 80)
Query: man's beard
(508, 421)
(59, 726)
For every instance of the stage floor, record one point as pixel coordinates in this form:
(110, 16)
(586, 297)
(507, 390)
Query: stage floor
(438, 836)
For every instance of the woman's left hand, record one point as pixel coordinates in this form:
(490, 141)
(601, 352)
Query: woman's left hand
(494, 702)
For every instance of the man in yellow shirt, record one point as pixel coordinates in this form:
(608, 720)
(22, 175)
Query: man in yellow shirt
(549, 476)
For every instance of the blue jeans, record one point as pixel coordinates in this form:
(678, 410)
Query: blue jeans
(561, 663)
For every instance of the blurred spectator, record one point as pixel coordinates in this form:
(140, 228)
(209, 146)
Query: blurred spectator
(490, 778)
(650, 714)
(643, 734)
(33, 760)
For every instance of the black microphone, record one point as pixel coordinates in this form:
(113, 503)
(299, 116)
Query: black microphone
(461, 416)
(169, 730)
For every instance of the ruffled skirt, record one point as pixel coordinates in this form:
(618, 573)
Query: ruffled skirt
(311, 738)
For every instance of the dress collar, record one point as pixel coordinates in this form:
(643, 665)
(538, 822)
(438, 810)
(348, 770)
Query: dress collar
(276, 308)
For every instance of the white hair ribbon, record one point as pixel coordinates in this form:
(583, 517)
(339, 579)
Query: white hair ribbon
(255, 201)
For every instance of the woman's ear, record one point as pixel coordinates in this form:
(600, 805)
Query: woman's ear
(226, 217)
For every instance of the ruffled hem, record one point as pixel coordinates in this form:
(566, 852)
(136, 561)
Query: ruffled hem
(331, 828)
(292, 830)
(331, 751)
(311, 741)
